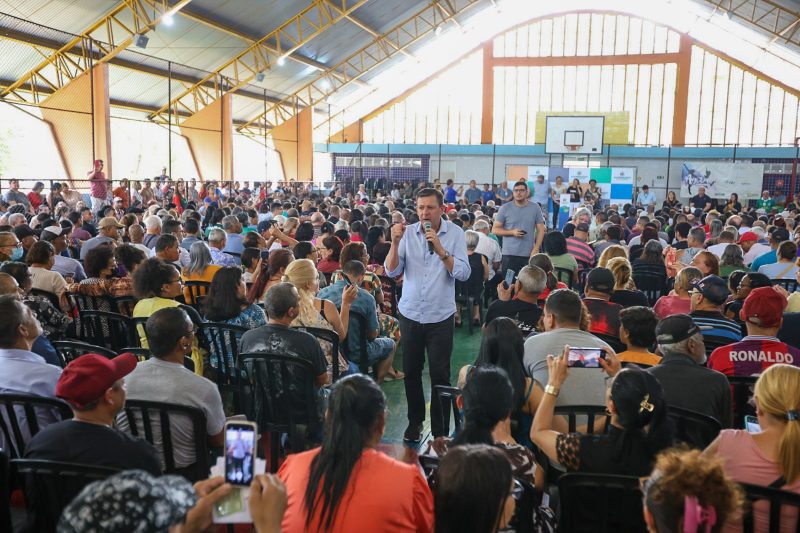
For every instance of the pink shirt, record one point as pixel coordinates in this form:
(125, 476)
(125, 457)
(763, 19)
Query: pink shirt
(672, 305)
(746, 463)
(98, 184)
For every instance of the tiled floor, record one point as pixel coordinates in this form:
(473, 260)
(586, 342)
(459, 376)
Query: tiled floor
(465, 350)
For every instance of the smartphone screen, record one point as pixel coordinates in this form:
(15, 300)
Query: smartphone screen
(751, 424)
(585, 357)
(240, 447)
(509, 278)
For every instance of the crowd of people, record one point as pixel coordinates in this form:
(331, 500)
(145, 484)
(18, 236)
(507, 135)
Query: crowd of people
(673, 301)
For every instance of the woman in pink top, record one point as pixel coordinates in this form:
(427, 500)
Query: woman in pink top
(678, 301)
(347, 485)
(771, 457)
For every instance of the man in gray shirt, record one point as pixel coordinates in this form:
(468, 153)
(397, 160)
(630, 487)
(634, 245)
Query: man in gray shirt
(519, 223)
(562, 318)
(14, 196)
(541, 192)
(164, 379)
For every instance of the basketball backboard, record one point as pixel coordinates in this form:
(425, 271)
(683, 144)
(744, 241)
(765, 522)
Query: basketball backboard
(574, 135)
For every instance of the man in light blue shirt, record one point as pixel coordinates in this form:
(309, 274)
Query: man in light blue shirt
(542, 192)
(645, 197)
(472, 195)
(21, 370)
(432, 255)
(234, 242)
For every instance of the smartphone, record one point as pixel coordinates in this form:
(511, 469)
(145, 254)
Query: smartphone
(585, 357)
(524, 232)
(264, 255)
(240, 452)
(751, 424)
(509, 278)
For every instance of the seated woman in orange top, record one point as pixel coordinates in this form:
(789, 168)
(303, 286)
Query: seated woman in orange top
(347, 485)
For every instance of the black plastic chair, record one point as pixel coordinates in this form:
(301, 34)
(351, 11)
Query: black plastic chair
(70, 350)
(779, 502)
(743, 388)
(142, 354)
(360, 340)
(125, 305)
(445, 393)
(600, 504)
(5, 492)
(698, 430)
(564, 275)
(789, 284)
(653, 286)
(222, 342)
(110, 330)
(468, 302)
(83, 302)
(52, 298)
(592, 414)
(19, 421)
(582, 274)
(51, 485)
(197, 291)
(153, 422)
(332, 337)
(278, 393)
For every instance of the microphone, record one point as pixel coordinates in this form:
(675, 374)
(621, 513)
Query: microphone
(427, 226)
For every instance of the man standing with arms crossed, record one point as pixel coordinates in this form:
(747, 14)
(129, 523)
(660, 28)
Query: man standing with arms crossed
(432, 255)
(519, 222)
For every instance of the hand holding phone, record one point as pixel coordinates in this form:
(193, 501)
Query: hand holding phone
(509, 278)
(240, 452)
(585, 357)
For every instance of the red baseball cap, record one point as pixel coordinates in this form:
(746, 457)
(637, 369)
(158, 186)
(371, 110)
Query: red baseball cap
(763, 307)
(748, 236)
(87, 378)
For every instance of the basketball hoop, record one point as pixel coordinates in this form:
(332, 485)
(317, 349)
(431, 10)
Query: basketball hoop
(572, 147)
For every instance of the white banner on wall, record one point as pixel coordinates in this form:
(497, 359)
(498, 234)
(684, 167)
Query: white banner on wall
(722, 179)
(582, 174)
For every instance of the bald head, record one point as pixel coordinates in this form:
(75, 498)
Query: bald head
(8, 285)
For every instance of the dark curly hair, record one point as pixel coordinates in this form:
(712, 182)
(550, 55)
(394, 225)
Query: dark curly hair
(97, 259)
(151, 276)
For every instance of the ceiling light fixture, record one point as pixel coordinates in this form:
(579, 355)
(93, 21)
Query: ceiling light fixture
(168, 19)
(281, 61)
(438, 30)
(260, 76)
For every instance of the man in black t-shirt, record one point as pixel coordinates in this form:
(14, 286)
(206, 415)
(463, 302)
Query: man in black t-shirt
(523, 308)
(94, 387)
(700, 200)
(277, 337)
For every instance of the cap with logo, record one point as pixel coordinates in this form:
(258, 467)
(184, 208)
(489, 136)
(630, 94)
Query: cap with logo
(764, 307)
(675, 328)
(713, 288)
(88, 377)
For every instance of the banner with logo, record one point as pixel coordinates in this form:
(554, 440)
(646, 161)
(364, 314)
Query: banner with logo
(722, 179)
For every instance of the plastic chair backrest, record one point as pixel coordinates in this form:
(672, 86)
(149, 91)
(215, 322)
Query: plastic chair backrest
(591, 415)
(698, 430)
(68, 350)
(771, 510)
(445, 393)
(743, 388)
(357, 337)
(51, 485)
(600, 503)
(153, 421)
(22, 416)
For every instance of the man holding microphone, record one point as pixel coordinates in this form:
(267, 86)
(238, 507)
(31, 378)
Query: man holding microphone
(432, 255)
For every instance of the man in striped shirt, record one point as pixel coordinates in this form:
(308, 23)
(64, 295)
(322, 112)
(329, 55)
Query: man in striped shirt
(760, 349)
(579, 249)
(708, 295)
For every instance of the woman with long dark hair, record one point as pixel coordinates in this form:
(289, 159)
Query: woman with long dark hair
(347, 484)
(330, 250)
(487, 403)
(375, 235)
(639, 427)
(475, 491)
(269, 273)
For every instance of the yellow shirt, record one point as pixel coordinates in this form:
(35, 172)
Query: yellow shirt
(639, 358)
(145, 308)
(794, 303)
(207, 276)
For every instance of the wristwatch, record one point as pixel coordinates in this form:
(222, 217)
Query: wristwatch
(549, 389)
(445, 256)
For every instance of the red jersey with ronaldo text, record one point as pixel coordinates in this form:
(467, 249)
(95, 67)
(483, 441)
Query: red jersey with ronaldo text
(752, 355)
